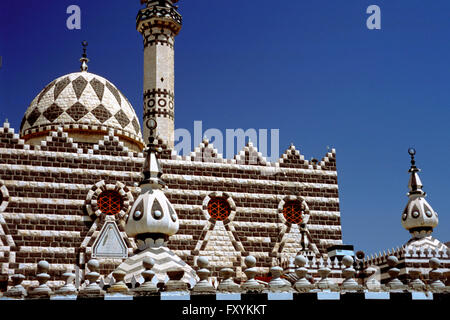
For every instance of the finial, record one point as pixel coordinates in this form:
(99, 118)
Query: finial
(84, 59)
(227, 284)
(251, 285)
(418, 217)
(203, 273)
(148, 287)
(415, 185)
(277, 284)
(92, 289)
(152, 168)
(412, 153)
(42, 276)
(68, 288)
(435, 275)
(325, 283)
(394, 284)
(302, 284)
(348, 273)
(17, 291)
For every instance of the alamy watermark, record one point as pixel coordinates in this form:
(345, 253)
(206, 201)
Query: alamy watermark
(374, 20)
(232, 142)
(74, 20)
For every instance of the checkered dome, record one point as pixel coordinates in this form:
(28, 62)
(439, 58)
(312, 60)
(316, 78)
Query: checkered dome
(81, 100)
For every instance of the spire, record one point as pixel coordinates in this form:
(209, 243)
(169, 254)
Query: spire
(418, 217)
(152, 168)
(152, 219)
(415, 184)
(84, 59)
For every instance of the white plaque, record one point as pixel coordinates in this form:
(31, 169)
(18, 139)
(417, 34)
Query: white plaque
(110, 243)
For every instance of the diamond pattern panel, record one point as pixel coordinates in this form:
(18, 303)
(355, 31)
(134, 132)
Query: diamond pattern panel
(79, 84)
(53, 112)
(98, 87)
(77, 111)
(122, 118)
(114, 91)
(101, 113)
(60, 86)
(33, 116)
(135, 124)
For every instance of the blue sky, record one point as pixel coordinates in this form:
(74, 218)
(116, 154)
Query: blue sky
(309, 68)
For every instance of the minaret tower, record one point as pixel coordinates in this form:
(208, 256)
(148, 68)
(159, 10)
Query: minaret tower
(159, 22)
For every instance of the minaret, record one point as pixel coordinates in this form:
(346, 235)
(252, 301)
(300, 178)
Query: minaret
(418, 217)
(159, 23)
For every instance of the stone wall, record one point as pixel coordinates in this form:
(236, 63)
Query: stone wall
(48, 202)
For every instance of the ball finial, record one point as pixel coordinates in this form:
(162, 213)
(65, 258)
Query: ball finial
(412, 151)
(250, 261)
(202, 262)
(347, 261)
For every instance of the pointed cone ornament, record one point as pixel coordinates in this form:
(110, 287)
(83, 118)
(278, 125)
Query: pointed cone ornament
(418, 217)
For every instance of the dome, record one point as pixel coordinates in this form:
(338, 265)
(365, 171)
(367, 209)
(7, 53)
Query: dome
(419, 218)
(87, 106)
(152, 213)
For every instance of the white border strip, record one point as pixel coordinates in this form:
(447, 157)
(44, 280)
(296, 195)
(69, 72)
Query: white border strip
(47, 250)
(264, 170)
(48, 233)
(202, 193)
(314, 213)
(93, 172)
(72, 155)
(40, 216)
(259, 182)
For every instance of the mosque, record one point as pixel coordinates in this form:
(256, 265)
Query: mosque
(82, 180)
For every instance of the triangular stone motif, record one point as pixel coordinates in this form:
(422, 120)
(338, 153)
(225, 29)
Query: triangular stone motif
(60, 86)
(77, 111)
(101, 113)
(219, 238)
(79, 84)
(109, 243)
(98, 87)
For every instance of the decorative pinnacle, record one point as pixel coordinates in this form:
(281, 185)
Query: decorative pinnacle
(412, 153)
(415, 184)
(84, 59)
(152, 167)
